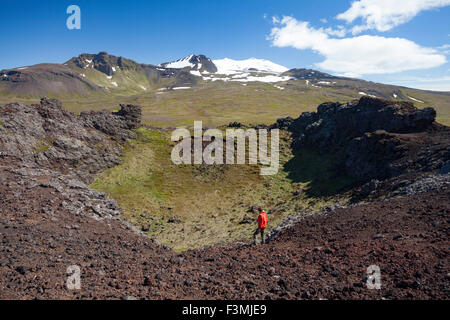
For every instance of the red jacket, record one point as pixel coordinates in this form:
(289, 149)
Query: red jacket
(262, 220)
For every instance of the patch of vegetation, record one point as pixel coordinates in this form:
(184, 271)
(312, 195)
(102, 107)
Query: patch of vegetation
(1, 123)
(42, 146)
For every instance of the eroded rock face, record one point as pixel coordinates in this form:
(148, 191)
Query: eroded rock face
(373, 138)
(372, 155)
(47, 146)
(117, 124)
(55, 138)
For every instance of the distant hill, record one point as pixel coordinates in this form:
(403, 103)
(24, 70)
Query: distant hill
(90, 73)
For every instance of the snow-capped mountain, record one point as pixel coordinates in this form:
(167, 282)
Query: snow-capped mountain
(230, 67)
(104, 73)
(248, 70)
(230, 70)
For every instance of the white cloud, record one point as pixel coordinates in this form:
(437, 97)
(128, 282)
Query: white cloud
(384, 15)
(355, 56)
(323, 20)
(339, 32)
(445, 49)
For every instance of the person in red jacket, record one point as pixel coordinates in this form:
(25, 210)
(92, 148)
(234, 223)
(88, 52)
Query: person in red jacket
(262, 225)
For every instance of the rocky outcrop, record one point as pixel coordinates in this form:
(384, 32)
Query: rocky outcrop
(372, 155)
(335, 123)
(373, 138)
(103, 62)
(73, 195)
(54, 138)
(46, 146)
(117, 124)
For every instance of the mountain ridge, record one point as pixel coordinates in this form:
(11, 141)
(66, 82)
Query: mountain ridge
(80, 77)
(98, 81)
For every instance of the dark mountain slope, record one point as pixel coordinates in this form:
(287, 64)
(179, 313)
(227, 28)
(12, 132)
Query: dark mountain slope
(91, 74)
(46, 78)
(193, 62)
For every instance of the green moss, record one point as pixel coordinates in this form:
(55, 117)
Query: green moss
(42, 146)
(1, 123)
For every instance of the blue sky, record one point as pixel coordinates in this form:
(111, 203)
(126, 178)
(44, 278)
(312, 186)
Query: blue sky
(389, 48)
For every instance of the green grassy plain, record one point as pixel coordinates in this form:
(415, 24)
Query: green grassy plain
(219, 103)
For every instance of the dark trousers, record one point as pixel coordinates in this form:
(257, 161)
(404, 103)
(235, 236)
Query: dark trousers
(255, 234)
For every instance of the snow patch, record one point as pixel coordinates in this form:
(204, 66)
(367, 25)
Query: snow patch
(229, 66)
(143, 88)
(109, 77)
(196, 73)
(240, 76)
(278, 87)
(113, 69)
(181, 88)
(394, 95)
(115, 84)
(216, 79)
(415, 99)
(266, 79)
(180, 64)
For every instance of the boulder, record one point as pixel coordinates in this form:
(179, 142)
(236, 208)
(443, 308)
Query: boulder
(117, 124)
